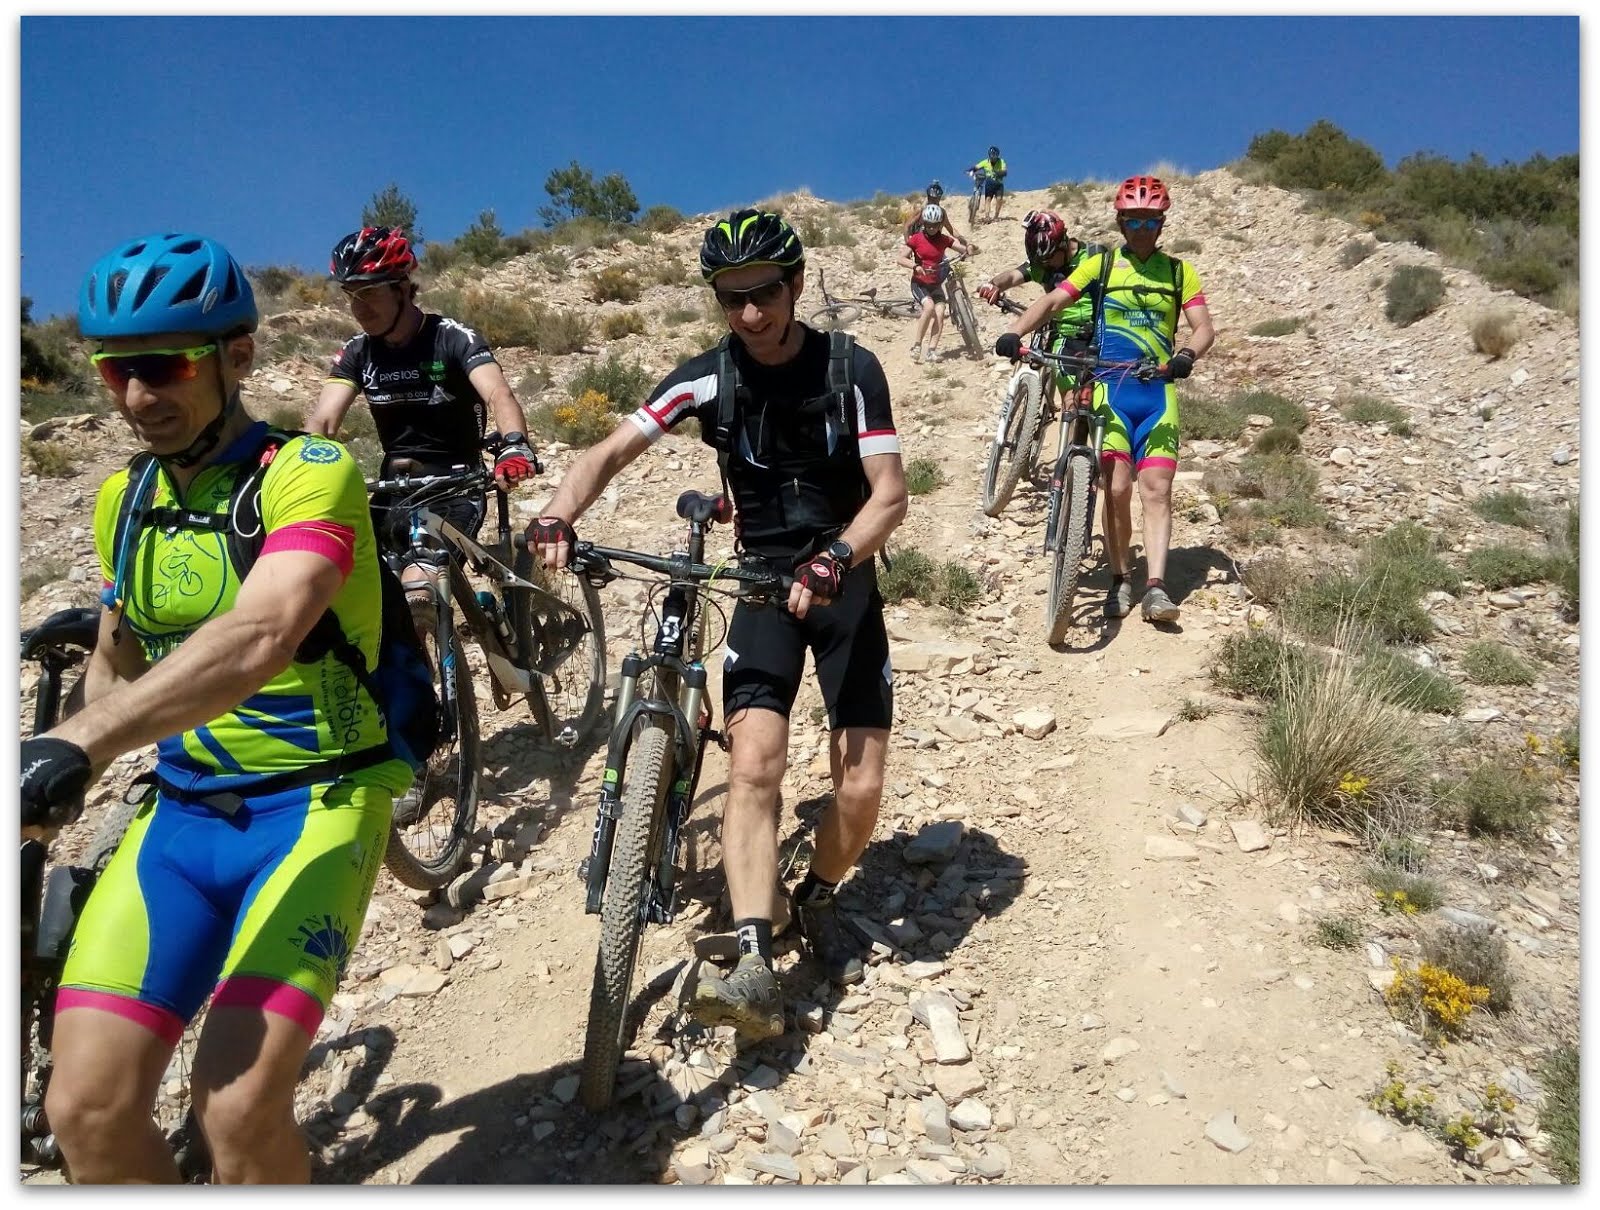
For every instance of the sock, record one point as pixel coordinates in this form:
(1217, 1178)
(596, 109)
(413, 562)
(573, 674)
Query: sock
(755, 937)
(1158, 582)
(813, 891)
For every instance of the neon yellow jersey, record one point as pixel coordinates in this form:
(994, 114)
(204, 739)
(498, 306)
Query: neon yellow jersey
(312, 498)
(995, 169)
(1140, 316)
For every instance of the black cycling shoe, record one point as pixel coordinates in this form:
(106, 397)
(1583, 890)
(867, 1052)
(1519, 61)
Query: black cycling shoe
(748, 1000)
(833, 941)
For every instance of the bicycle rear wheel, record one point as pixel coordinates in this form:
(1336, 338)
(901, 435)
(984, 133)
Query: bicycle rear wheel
(835, 315)
(575, 692)
(1011, 450)
(434, 820)
(639, 832)
(904, 309)
(961, 312)
(1068, 528)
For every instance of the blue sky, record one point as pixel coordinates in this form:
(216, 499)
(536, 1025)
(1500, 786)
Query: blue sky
(271, 133)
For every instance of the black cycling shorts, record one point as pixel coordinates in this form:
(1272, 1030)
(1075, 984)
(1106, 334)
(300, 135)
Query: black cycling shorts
(767, 654)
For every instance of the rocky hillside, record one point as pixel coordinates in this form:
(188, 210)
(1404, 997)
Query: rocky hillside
(1097, 956)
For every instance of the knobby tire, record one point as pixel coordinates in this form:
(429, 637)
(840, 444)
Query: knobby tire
(1070, 541)
(1011, 454)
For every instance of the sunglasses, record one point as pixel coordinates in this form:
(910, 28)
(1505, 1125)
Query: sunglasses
(762, 296)
(364, 292)
(153, 367)
(1143, 224)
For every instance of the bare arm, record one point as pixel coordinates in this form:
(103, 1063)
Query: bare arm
(587, 478)
(489, 380)
(111, 664)
(1204, 335)
(1006, 279)
(328, 412)
(215, 668)
(883, 511)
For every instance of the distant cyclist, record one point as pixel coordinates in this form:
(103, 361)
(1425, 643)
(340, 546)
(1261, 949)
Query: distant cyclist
(1145, 292)
(1052, 256)
(924, 256)
(430, 382)
(245, 876)
(991, 171)
(934, 197)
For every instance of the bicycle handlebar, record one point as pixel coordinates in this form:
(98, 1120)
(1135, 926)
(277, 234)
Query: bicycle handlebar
(1145, 369)
(592, 559)
(466, 477)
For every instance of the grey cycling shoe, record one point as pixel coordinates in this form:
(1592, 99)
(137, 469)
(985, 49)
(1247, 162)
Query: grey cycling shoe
(1119, 601)
(748, 999)
(1158, 606)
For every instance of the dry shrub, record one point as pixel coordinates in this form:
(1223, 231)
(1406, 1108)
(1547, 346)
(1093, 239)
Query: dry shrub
(1495, 333)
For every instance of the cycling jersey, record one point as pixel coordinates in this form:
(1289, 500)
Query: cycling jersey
(1076, 316)
(1139, 319)
(795, 471)
(264, 905)
(423, 402)
(929, 254)
(177, 579)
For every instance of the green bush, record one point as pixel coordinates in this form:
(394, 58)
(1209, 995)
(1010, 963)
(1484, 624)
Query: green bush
(1507, 508)
(1276, 477)
(662, 219)
(484, 243)
(915, 576)
(676, 316)
(1366, 409)
(615, 284)
(1413, 292)
(622, 381)
(581, 421)
(1337, 933)
(1284, 412)
(507, 321)
(1408, 552)
(1497, 567)
(1257, 664)
(923, 475)
(1404, 682)
(1354, 252)
(50, 459)
(1387, 605)
(1558, 1116)
(1277, 440)
(622, 323)
(1324, 158)
(1476, 955)
(1494, 799)
(1210, 419)
(1271, 578)
(1278, 327)
(1495, 664)
(1561, 534)
(1403, 890)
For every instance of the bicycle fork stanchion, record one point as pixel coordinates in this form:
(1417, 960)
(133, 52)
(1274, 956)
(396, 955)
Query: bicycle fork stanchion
(594, 868)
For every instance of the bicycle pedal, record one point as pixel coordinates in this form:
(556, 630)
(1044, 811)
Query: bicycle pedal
(719, 739)
(567, 737)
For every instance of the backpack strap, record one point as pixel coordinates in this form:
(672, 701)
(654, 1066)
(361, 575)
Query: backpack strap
(728, 389)
(1177, 294)
(841, 354)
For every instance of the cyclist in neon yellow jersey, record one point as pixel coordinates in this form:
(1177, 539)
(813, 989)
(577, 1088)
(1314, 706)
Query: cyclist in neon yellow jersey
(1145, 292)
(991, 171)
(1052, 256)
(245, 875)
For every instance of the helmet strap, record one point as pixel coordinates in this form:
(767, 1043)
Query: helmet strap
(405, 306)
(201, 447)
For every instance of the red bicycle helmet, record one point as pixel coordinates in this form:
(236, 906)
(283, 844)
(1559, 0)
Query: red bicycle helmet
(373, 254)
(1142, 193)
(1045, 232)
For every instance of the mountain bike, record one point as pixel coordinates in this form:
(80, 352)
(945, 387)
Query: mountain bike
(53, 898)
(658, 740)
(840, 312)
(1026, 409)
(541, 640)
(975, 202)
(1075, 474)
(961, 309)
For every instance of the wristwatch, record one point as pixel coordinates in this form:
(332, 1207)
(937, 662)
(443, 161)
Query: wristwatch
(842, 553)
(515, 439)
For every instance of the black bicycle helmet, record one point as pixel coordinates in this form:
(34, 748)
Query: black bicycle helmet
(373, 254)
(935, 192)
(750, 237)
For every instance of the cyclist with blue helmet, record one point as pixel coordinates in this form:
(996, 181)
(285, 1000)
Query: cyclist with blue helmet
(244, 877)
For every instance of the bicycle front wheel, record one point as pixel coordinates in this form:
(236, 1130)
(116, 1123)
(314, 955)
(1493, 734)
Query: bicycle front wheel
(837, 315)
(904, 309)
(633, 859)
(1068, 530)
(434, 820)
(1012, 447)
(966, 322)
(972, 207)
(575, 692)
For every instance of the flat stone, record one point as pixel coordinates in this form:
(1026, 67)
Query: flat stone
(1118, 1048)
(784, 1167)
(971, 1115)
(1340, 1173)
(1035, 724)
(1342, 456)
(1169, 848)
(1544, 901)
(923, 970)
(1289, 913)
(938, 1012)
(955, 1082)
(1223, 1130)
(1171, 1083)
(425, 982)
(936, 1120)
(1249, 835)
(1505, 600)
(565, 1089)
(929, 1172)
(1415, 1145)
(1466, 919)
(1373, 1128)
(1381, 980)
(936, 659)
(1480, 714)
(1561, 455)
(959, 728)
(1134, 724)
(936, 843)
(992, 1162)
(1192, 814)
(835, 1141)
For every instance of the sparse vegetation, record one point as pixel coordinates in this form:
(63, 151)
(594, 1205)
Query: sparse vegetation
(662, 218)
(1558, 1116)
(535, 378)
(615, 284)
(1278, 327)
(1495, 664)
(1495, 799)
(621, 380)
(1271, 578)
(1402, 891)
(581, 421)
(819, 233)
(1207, 419)
(1383, 594)
(923, 475)
(677, 316)
(1355, 251)
(1258, 664)
(1414, 291)
(1477, 956)
(1367, 409)
(49, 459)
(507, 321)
(915, 576)
(1561, 537)
(1400, 680)
(1179, 246)
(1276, 440)
(1495, 333)
(1336, 933)
(622, 323)
(1507, 508)
(1497, 567)
(1285, 412)
(1281, 490)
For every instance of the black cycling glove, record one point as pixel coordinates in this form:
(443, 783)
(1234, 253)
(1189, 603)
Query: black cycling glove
(822, 575)
(1181, 365)
(1009, 346)
(55, 773)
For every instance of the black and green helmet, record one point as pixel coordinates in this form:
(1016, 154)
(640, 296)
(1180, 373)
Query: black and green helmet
(749, 237)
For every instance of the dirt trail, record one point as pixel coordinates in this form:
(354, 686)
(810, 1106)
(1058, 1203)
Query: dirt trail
(1135, 991)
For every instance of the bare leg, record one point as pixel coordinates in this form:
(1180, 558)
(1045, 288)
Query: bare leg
(858, 755)
(1119, 514)
(758, 751)
(1155, 497)
(245, 1072)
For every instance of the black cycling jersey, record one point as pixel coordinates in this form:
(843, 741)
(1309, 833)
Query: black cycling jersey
(795, 472)
(423, 404)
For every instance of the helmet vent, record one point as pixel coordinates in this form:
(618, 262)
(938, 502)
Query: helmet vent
(134, 249)
(147, 285)
(188, 246)
(191, 289)
(114, 285)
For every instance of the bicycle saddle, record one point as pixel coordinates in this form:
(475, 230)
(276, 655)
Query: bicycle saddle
(871, 292)
(699, 508)
(76, 627)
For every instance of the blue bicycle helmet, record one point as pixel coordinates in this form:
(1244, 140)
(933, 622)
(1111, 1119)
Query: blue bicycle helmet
(166, 283)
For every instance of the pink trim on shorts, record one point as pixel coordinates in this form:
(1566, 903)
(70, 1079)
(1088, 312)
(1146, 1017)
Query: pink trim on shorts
(273, 996)
(1160, 463)
(162, 1022)
(337, 543)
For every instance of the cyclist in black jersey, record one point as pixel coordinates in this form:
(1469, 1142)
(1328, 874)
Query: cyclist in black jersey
(818, 486)
(430, 382)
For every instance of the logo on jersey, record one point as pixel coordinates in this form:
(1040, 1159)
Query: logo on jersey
(326, 940)
(405, 375)
(319, 452)
(435, 371)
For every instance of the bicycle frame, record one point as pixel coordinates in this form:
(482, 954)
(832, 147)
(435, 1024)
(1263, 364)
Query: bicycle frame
(1080, 430)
